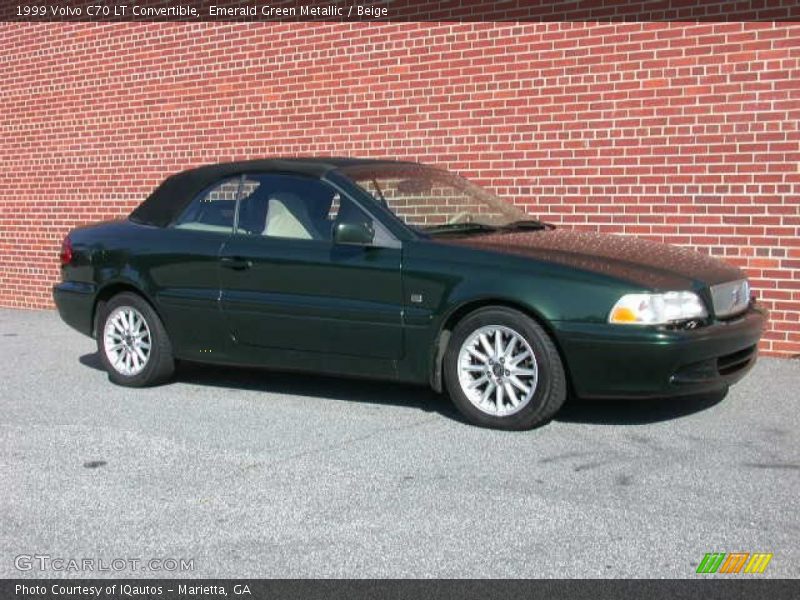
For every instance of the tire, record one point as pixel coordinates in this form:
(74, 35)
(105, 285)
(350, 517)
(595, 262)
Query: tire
(542, 374)
(115, 316)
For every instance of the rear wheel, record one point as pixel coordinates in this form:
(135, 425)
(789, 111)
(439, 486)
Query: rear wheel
(132, 342)
(502, 370)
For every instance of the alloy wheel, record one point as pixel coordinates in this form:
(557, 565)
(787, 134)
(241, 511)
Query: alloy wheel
(497, 370)
(127, 341)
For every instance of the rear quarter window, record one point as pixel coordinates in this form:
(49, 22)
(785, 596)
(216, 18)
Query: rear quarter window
(211, 210)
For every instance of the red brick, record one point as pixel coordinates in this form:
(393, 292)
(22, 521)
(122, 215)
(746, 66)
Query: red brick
(680, 132)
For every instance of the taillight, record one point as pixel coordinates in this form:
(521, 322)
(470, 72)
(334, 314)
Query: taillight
(66, 251)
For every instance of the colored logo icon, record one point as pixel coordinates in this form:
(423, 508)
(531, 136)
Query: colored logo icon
(734, 562)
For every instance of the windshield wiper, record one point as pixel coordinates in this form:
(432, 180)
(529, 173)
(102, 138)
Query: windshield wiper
(528, 224)
(459, 228)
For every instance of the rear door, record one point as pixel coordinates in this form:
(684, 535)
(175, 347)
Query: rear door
(286, 285)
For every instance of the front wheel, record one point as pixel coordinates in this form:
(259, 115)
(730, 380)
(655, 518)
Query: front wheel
(132, 342)
(502, 370)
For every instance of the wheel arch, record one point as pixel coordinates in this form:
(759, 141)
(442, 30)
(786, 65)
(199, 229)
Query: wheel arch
(465, 309)
(113, 288)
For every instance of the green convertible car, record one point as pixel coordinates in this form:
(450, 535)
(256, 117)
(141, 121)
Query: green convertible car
(403, 272)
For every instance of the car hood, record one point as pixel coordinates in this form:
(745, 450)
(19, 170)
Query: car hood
(642, 262)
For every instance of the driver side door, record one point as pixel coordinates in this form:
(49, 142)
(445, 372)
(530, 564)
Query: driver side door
(287, 286)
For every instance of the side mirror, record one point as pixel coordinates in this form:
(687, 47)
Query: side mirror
(360, 234)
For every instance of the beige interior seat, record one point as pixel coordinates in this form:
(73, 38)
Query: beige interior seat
(287, 217)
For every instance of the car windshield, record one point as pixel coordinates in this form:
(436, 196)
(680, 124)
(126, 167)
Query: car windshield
(435, 201)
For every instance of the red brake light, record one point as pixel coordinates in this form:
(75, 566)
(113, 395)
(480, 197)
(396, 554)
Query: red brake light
(66, 251)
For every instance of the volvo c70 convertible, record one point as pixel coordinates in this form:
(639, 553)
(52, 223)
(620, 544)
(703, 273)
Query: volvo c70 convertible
(403, 272)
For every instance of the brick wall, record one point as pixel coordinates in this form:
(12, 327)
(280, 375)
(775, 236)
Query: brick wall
(684, 133)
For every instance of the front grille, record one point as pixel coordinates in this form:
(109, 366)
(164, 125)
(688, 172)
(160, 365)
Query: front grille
(730, 298)
(730, 363)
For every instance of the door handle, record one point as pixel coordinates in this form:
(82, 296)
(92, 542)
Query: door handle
(236, 262)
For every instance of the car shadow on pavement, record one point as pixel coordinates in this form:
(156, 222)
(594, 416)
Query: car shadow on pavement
(635, 412)
(306, 384)
(600, 412)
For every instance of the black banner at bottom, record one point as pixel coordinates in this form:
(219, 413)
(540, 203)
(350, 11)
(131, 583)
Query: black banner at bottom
(404, 589)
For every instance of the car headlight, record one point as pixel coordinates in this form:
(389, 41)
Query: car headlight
(657, 309)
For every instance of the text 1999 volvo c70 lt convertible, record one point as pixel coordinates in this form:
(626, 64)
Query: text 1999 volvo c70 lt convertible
(403, 272)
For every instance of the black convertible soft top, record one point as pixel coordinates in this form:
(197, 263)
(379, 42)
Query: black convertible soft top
(172, 196)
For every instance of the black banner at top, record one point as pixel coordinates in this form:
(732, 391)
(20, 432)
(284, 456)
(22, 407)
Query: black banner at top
(398, 10)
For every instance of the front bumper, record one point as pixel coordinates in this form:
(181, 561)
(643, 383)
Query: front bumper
(619, 361)
(75, 303)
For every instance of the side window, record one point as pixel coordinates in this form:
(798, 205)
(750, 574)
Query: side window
(287, 206)
(213, 209)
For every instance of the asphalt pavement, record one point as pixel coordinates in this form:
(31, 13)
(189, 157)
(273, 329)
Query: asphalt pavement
(249, 473)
